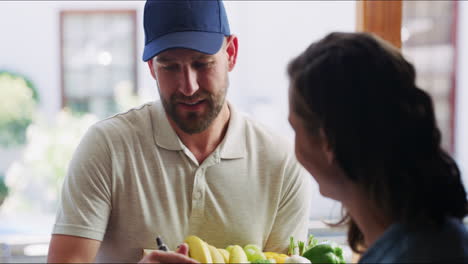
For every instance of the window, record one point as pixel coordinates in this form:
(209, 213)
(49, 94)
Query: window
(426, 34)
(428, 37)
(98, 59)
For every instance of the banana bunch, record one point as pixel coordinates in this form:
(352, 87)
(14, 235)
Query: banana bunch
(205, 253)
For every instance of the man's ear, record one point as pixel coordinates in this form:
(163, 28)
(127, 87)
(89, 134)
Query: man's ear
(232, 47)
(151, 68)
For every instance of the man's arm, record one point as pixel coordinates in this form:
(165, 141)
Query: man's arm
(85, 203)
(292, 218)
(72, 249)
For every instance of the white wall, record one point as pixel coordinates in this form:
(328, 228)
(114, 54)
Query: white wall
(270, 34)
(29, 46)
(461, 129)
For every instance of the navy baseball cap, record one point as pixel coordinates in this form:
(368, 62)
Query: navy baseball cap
(193, 24)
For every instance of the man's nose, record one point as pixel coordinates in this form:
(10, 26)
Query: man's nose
(189, 86)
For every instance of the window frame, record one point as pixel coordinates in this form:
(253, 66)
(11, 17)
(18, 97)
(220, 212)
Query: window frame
(63, 13)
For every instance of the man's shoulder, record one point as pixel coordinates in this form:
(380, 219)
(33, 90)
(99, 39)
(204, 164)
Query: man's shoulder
(134, 120)
(264, 136)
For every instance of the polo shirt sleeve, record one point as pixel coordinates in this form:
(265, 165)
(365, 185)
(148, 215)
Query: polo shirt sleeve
(292, 218)
(85, 202)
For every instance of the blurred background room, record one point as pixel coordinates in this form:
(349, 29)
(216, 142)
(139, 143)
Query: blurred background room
(64, 65)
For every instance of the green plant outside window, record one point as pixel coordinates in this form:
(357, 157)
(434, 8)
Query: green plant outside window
(17, 105)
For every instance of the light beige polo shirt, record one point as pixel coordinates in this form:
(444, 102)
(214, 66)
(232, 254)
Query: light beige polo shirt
(131, 179)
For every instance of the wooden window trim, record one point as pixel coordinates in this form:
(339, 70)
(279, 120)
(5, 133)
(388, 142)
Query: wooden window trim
(382, 17)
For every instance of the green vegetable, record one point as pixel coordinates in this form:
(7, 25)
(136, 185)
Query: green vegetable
(311, 242)
(301, 246)
(254, 253)
(325, 253)
(292, 247)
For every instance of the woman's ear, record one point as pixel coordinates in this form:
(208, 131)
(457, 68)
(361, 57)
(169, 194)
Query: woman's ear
(330, 156)
(326, 147)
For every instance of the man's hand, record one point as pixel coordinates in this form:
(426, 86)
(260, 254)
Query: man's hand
(158, 256)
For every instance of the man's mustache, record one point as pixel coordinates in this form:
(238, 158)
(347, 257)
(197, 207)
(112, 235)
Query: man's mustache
(193, 98)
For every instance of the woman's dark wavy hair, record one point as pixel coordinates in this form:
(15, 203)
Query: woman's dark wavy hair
(380, 126)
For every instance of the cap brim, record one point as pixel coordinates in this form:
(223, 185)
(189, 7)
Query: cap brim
(204, 42)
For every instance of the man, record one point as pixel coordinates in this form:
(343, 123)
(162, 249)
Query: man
(189, 164)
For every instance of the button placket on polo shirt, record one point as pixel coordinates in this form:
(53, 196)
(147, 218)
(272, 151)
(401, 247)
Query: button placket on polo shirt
(197, 214)
(198, 193)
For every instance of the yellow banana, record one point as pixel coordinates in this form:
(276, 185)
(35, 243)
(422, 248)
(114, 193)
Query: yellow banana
(279, 258)
(216, 256)
(198, 249)
(228, 248)
(225, 254)
(237, 255)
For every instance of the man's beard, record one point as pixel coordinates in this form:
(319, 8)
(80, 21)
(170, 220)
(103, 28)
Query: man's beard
(195, 122)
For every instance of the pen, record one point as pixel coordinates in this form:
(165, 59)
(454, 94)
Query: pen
(161, 245)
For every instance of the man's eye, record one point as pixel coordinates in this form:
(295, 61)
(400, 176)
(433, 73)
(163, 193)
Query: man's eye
(201, 65)
(171, 67)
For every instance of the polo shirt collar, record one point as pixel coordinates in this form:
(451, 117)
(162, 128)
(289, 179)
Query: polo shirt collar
(164, 134)
(231, 147)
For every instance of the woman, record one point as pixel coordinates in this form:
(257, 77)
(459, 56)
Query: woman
(368, 135)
